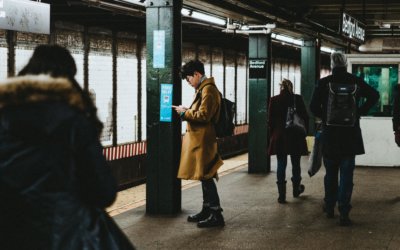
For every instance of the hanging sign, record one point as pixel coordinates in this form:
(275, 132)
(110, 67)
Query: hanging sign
(166, 102)
(25, 16)
(352, 28)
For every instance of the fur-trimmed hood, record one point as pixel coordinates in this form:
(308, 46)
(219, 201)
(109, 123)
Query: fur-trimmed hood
(31, 89)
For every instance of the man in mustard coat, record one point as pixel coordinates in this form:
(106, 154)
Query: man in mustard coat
(199, 157)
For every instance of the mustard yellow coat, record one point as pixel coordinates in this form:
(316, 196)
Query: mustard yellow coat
(199, 157)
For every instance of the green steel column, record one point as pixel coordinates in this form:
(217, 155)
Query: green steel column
(259, 93)
(163, 28)
(310, 53)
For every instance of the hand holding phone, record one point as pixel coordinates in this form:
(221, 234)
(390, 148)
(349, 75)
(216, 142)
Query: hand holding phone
(179, 108)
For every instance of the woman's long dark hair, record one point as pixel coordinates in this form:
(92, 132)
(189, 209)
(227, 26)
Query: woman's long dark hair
(57, 61)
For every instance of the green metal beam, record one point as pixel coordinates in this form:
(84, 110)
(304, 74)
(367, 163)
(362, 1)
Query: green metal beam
(310, 53)
(163, 189)
(259, 93)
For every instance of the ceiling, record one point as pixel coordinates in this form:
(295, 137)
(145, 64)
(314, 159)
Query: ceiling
(311, 18)
(298, 18)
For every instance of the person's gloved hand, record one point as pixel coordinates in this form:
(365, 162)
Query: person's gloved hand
(397, 137)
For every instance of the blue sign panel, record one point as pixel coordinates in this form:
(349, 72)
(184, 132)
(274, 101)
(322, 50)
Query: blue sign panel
(166, 102)
(159, 49)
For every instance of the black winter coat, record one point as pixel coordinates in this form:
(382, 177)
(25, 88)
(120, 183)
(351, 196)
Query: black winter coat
(283, 141)
(54, 180)
(342, 141)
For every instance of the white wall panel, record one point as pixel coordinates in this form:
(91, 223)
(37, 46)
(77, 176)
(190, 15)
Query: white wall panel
(79, 67)
(100, 86)
(3, 55)
(144, 94)
(3, 63)
(218, 68)
(21, 58)
(127, 115)
(241, 90)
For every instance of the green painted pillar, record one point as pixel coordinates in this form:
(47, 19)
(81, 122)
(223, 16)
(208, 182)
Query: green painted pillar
(163, 42)
(310, 73)
(259, 93)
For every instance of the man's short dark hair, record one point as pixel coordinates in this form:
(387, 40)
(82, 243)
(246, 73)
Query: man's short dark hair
(190, 67)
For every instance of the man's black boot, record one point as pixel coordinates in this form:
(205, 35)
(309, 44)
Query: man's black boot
(297, 188)
(214, 220)
(329, 211)
(282, 192)
(344, 220)
(202, 215)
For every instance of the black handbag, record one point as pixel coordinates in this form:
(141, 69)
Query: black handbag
(293, 120)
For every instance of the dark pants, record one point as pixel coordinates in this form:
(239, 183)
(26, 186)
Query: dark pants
(281, 172)
(210, 194)
(341, 194)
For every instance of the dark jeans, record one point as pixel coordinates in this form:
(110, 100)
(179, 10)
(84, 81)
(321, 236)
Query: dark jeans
(210, 194)
(281, 172)
(341, 194)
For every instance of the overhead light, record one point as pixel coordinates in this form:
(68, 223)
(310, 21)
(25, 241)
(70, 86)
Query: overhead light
(137, 2)
(186, 12)
(288, 39)
(238, 28)
(327, 50)
(245, 27)
(203, 17)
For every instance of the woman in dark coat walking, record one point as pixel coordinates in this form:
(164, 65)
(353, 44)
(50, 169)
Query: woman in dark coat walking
(286, 142)
(54, 179)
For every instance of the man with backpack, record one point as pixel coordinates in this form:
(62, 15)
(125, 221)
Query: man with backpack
(336, 101)
(199, 157)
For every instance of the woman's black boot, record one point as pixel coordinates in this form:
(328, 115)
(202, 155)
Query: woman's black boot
(202, 215)
(297, 188)
(214, 220)
(282, 192)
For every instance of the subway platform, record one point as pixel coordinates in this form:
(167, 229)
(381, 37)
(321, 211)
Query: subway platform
(255, 220)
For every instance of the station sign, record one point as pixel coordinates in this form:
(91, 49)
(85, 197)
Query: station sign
(25, 16)
(257, 68)
(352, 29)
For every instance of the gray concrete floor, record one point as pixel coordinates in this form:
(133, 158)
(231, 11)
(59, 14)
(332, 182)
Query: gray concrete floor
(254, 219)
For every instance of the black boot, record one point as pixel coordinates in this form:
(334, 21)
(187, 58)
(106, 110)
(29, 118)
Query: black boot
(297, 188)
(204, 214)
(344, 220)
(214, 220)
(282, 192)
(330, 213)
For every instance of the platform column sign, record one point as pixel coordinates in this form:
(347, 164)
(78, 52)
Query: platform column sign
(259, 92)
(163, 85)
(166, 102)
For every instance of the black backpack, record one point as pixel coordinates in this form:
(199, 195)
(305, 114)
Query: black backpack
(225, 125)
(342, 105)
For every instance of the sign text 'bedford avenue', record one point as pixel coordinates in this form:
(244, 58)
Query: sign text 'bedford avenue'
(352, 28)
